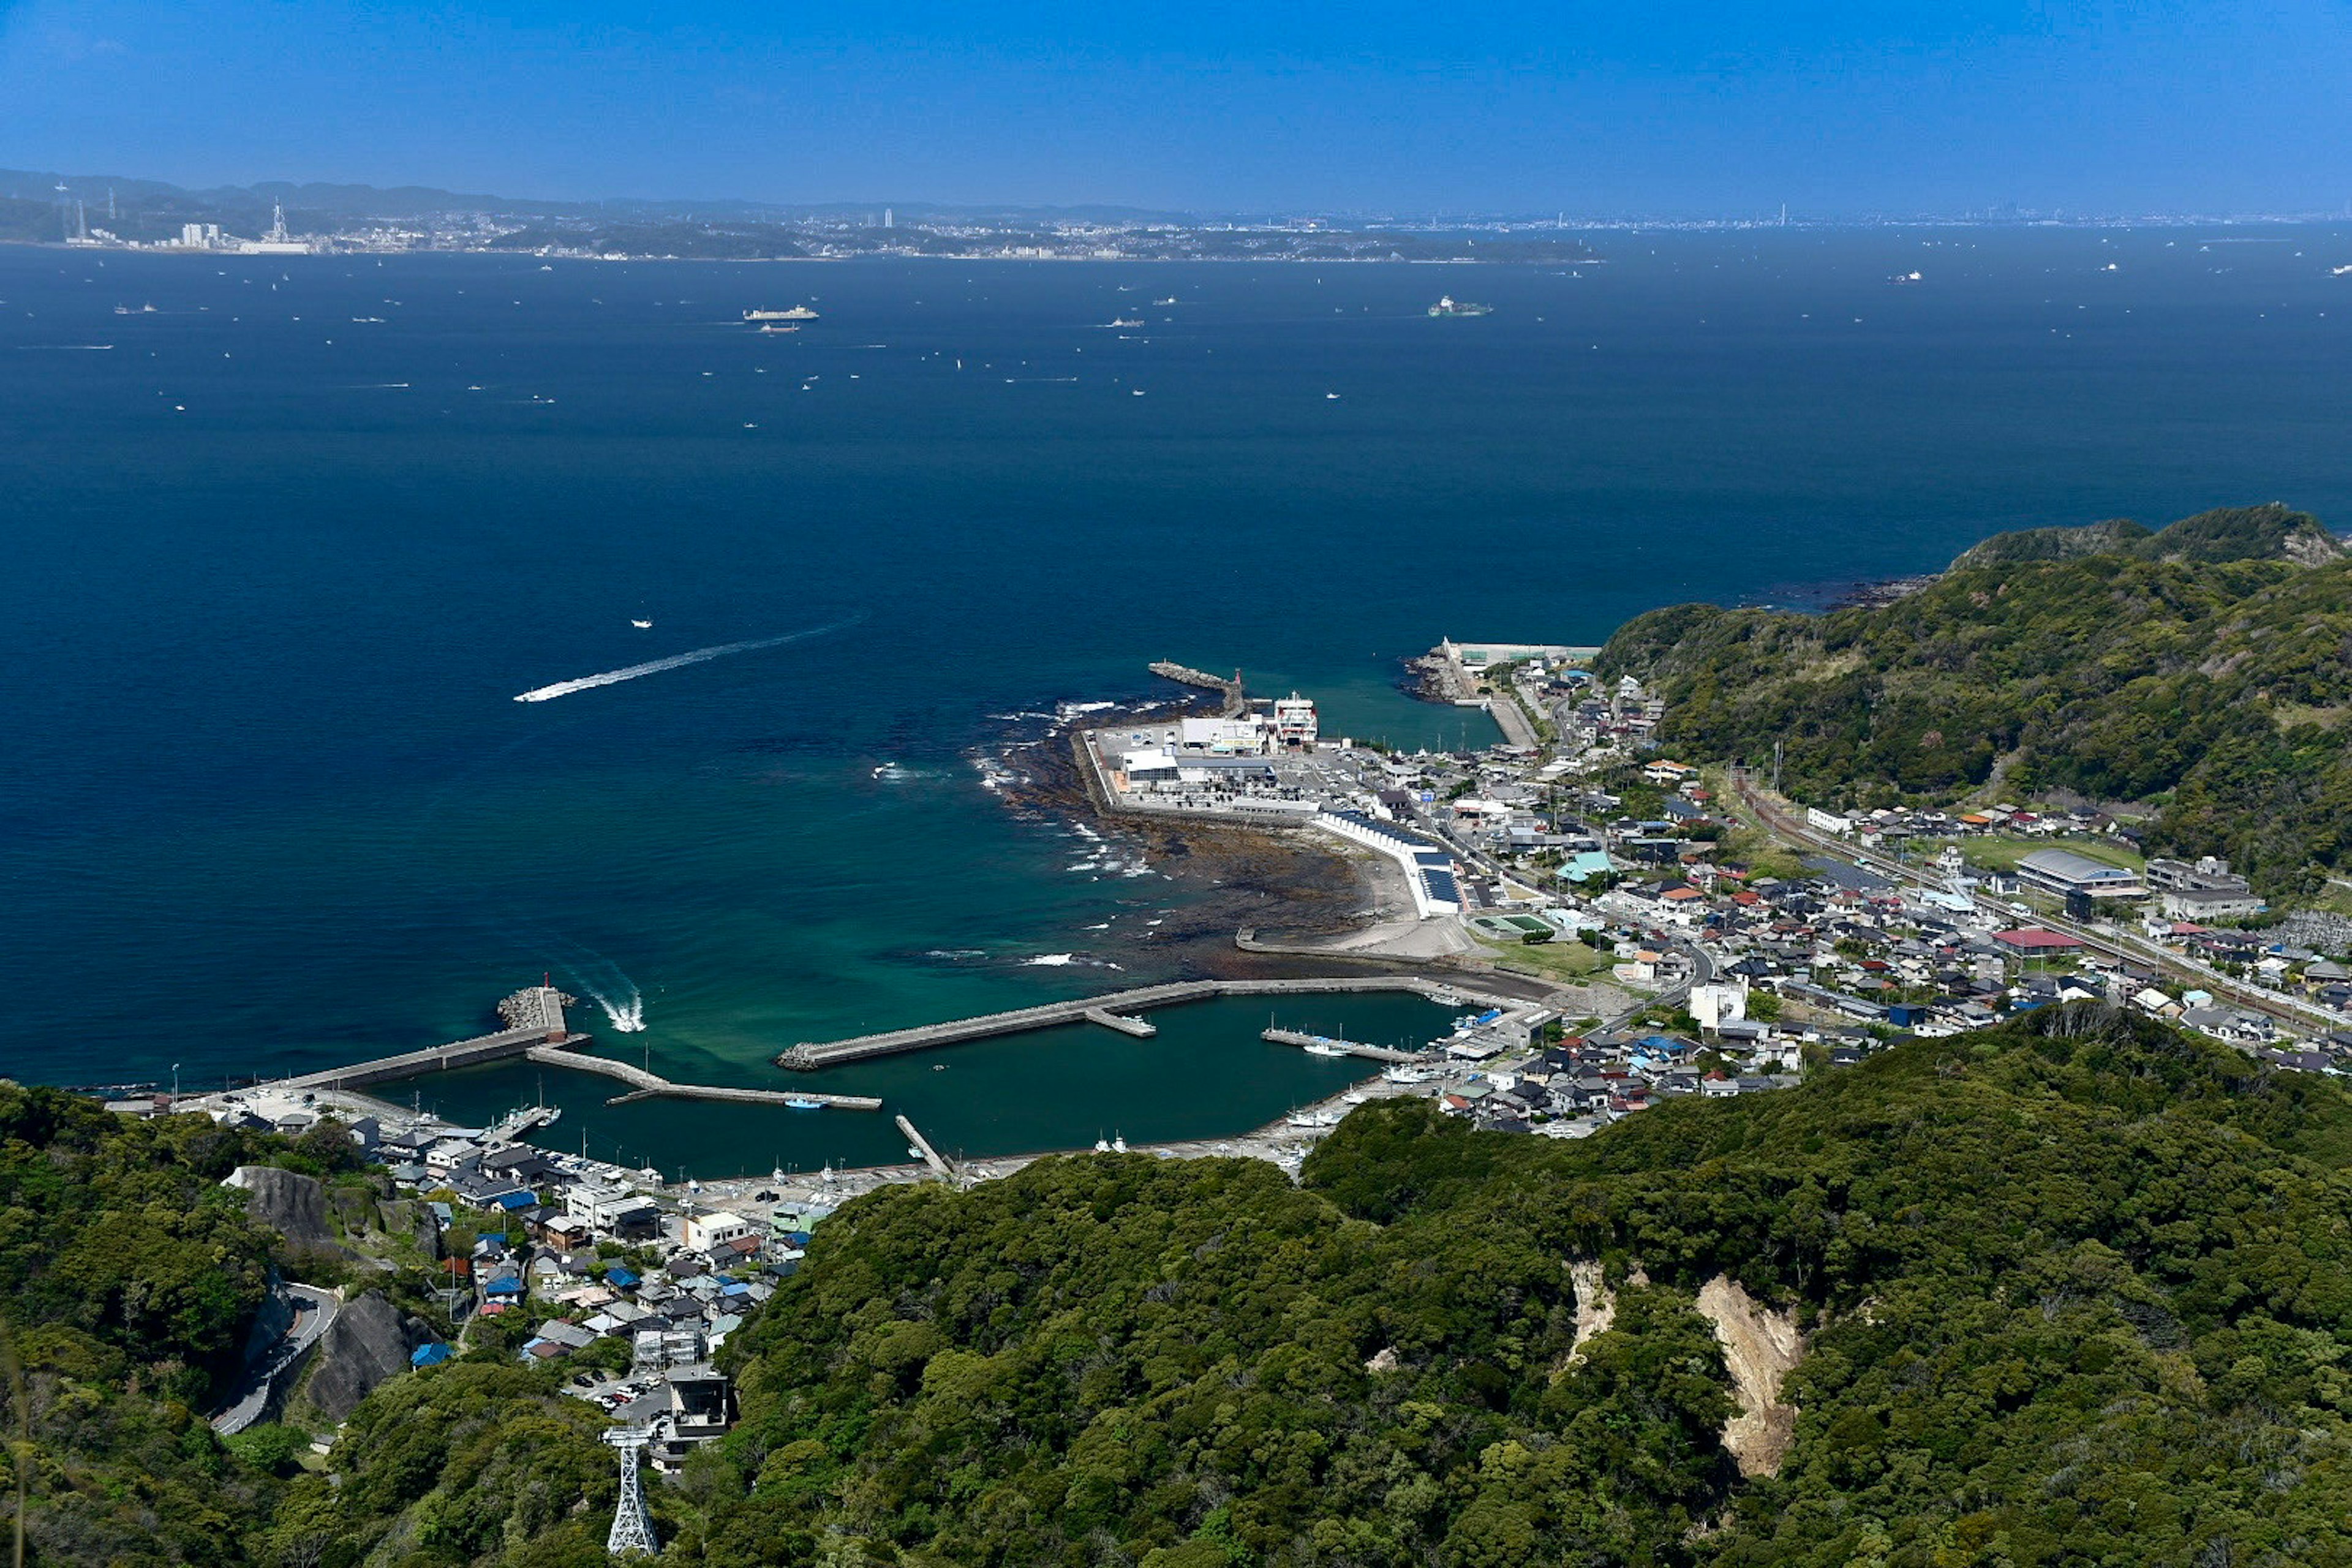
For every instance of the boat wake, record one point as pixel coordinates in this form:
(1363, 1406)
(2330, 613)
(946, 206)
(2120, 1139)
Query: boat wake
(616, 993)
(675, 662)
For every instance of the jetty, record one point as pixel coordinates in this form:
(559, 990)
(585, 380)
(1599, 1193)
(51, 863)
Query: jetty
(1343, 1047)
(1125, 1023)
(922, 1145)
(643, 1085)
(533, 1017)
(1236, 699)
(808, 1057)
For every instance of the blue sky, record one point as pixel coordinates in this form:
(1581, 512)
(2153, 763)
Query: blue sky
(1699, 108)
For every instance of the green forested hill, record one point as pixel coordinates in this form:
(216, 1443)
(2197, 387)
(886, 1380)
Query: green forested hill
(2207, 667)
(2077, 1290)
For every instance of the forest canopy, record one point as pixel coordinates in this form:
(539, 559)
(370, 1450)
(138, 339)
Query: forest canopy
(2205, 669)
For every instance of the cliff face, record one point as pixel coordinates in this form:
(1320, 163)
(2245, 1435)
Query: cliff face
(294, 1205)
(368, 1344)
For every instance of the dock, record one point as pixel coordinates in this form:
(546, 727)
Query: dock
(1344, 1048)
(809, 1056)
(922, 1146)
(534, 1017)
(643, 1085)
(1236, 699)
(1125, 1023)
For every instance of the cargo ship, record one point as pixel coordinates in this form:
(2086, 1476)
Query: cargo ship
(797, 313)
(1447, 305)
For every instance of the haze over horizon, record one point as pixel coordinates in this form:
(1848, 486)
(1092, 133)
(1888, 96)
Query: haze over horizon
(1714, 110)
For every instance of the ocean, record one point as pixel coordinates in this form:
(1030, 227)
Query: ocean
(285, 550)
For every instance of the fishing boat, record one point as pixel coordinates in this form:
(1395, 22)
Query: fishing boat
(642, 625)
(800, 1103)
(1325, 1049)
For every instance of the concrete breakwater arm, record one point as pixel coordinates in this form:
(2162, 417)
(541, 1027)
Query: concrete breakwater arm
(808, 1057)
(645, 1085)
(1236, 699)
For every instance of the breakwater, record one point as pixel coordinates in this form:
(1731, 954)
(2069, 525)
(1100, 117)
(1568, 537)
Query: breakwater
(1236, 700)
(643, 1085)
(809, 1056)
(534, 1015)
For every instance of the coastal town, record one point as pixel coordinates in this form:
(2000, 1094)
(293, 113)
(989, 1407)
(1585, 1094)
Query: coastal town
(1615, 927)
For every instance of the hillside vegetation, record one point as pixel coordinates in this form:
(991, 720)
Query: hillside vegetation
(2076, 1290)
(2079, 1291)
(2206, 668)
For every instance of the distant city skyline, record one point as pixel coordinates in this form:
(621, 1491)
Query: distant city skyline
(1714, 111)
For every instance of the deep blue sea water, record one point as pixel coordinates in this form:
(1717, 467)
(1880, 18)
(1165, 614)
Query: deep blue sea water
(281, 555)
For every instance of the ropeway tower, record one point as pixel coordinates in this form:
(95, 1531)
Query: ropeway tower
(633, 1528)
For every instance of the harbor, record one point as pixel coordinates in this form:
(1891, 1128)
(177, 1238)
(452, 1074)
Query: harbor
(811, 1058)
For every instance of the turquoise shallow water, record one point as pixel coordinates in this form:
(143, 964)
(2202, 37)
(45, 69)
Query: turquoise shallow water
(282, 555)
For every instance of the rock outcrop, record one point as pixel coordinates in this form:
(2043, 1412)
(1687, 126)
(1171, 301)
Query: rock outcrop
(1596, 1304)
(368, 1342)
(288, 1202)
(1760, 1348)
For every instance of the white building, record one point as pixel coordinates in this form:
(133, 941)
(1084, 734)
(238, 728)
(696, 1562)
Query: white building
(706, 1231)
(1243, 737)
(1718, 1005)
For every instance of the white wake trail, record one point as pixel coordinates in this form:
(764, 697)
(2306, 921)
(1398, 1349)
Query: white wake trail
(675, 662)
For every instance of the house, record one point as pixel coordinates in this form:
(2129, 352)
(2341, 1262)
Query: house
(707, 1232)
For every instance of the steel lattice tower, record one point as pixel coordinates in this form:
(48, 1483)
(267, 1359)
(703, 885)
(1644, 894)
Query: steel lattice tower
(633, 1528)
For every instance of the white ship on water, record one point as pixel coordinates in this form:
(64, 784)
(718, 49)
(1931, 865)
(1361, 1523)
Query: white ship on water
(797, 313)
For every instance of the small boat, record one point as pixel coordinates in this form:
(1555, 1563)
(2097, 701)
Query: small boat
(642, 625)
(1102, 1146)
(1325, 1049)
(799, 1103)
(913, 1152)
(1118, 1143)
(1126, 321)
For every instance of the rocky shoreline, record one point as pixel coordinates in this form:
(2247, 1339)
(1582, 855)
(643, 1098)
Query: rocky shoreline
(1231, 878)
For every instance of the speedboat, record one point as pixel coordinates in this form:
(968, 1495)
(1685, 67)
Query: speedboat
(642, 625)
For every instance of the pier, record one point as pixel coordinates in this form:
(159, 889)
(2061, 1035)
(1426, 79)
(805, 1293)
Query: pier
(809, 1056)
(1344, 1048)
(643, 1085)
(1126, 1024)
(922, 1145)
(534, 1017)
(1236, 699)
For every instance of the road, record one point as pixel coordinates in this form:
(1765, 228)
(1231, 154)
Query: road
(2113, 944)
(1702, 963)
(309, 1311)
